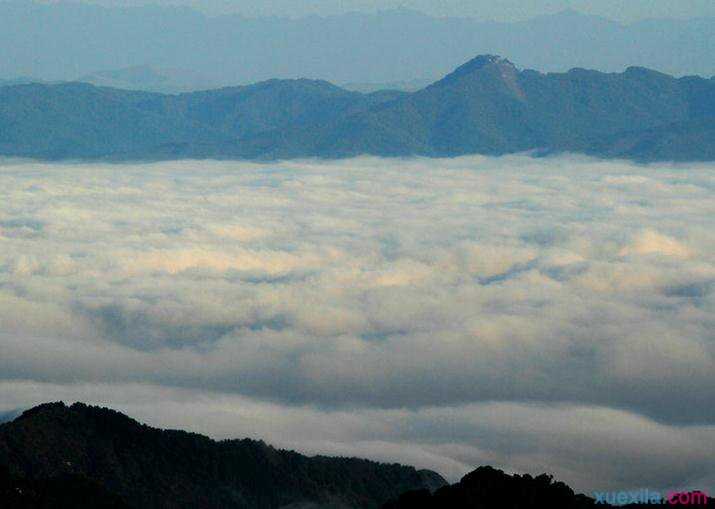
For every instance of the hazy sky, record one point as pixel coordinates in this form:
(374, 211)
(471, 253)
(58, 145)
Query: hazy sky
(504, 10)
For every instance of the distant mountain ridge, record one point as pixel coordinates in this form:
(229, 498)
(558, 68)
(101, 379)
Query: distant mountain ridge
(133, 465)
(175, 81)
(151, 79)
(23, 80)
(485, 106)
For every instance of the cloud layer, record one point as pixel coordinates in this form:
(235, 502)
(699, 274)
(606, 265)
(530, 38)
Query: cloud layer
(535, 314)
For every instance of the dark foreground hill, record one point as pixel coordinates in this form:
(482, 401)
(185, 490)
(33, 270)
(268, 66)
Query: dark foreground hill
(487, 488)
(486, 106)
(82, 456)
(78, 457)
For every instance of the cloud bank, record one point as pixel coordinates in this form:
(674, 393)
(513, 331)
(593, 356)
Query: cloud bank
(534, 314)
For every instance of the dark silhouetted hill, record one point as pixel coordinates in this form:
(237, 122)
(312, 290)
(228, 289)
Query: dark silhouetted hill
(488, 488)
(78, 457)
(486, 106)
(61, 492)
(54, 453)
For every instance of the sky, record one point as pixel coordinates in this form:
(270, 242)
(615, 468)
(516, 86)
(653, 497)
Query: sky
(538, 315)
(67, 41)
(504, 10)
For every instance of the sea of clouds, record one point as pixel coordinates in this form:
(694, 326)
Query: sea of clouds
(537, 315)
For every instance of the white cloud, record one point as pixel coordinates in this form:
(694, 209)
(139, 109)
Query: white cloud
(377, 295)
(651, 242)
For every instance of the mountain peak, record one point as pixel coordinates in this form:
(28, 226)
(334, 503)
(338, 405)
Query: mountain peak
(481, 61)
(44, 409)
(478, 63)
(60, 410)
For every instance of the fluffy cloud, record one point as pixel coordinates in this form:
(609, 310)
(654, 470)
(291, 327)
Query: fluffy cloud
(536, 314)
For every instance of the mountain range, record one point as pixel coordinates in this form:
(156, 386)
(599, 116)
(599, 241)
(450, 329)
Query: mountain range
(68, 40)
(485, 106)
(58, 456)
